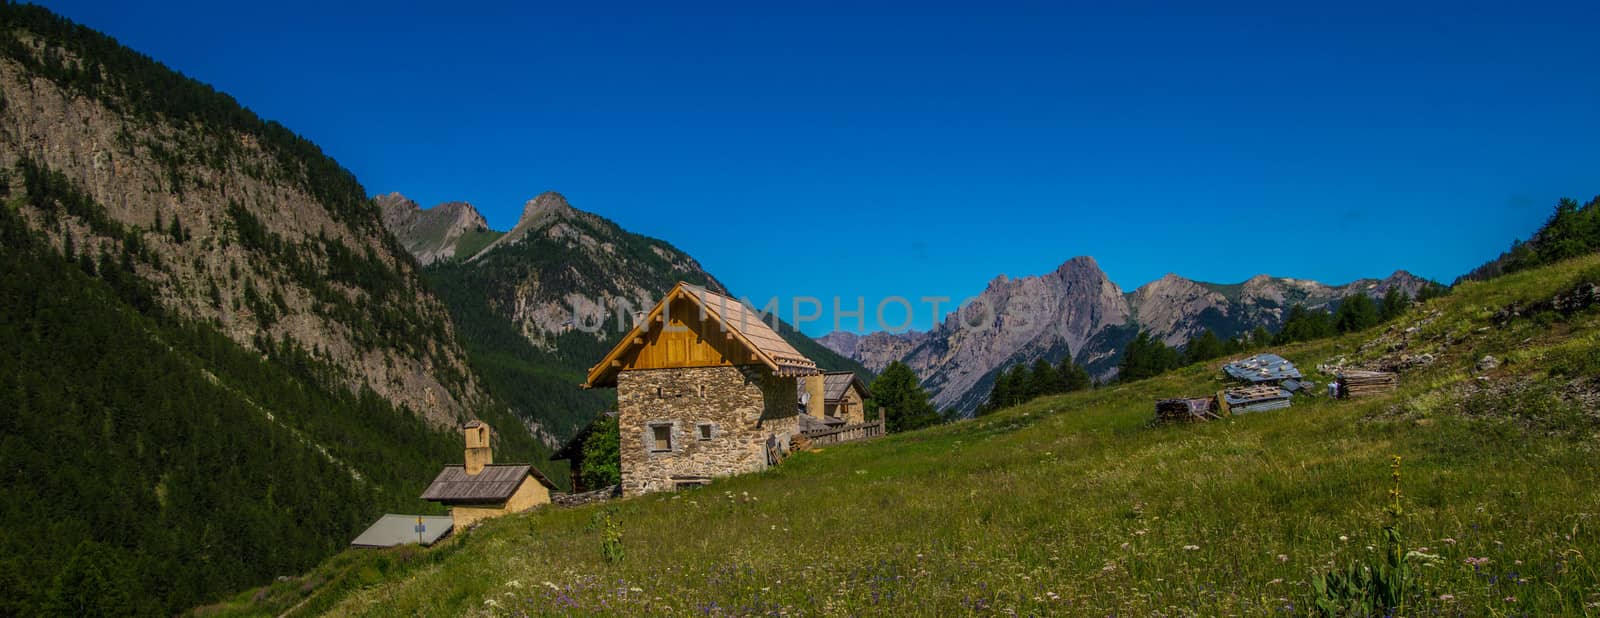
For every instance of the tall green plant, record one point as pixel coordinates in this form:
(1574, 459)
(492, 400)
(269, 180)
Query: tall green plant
(1359, 590)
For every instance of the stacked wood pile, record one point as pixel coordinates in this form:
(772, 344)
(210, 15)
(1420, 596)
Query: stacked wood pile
(1186, 410)
(1357, 383)
(1257, 398)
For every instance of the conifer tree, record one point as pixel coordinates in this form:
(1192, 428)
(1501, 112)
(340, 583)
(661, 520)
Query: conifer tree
(1395, 303)
(1357, 312)
(898, 391)
(1073, 376)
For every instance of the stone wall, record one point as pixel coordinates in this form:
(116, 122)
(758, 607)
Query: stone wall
(741, 406)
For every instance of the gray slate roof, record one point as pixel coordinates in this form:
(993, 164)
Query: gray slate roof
(391, 530)
(495, 483)
(835, 384)
(1262, 368)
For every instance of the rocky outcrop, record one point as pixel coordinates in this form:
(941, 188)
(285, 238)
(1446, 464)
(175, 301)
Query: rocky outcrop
(1170, 308)
(1078, 311)
(873, 350)
(432, 234)
(238, 231)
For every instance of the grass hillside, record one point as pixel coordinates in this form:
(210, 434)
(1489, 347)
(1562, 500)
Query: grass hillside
(1075, 505)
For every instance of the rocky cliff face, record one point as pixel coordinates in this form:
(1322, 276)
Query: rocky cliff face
(244, 224)
(1077, 310)
(873, 350)
(431, 234)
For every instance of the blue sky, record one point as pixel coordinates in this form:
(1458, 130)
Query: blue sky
(922, 150)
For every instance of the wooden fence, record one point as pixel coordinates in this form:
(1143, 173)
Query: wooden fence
(847, 433)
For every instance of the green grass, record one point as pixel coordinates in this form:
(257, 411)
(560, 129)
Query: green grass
(1074, 505)
(472, 242)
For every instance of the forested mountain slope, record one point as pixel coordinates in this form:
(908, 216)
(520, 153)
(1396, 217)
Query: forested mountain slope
(217, 366)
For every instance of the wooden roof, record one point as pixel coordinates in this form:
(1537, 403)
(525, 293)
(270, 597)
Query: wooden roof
(496, 483)
(733, 315)
(836, 383)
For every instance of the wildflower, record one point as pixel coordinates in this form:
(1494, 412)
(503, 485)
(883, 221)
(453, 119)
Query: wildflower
(1510, 599)
(1140, 532)
(551, 585)
(1344, 538)
(1477, 562)
(1109, 567)
(1283, 557)
(513, 584)
(1448, 540)
(1447, 597)
(635, 589)
(1277, 580)
(1190, 547)
(1125, 546)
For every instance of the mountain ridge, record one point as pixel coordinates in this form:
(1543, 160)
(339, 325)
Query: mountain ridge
(1077, 310)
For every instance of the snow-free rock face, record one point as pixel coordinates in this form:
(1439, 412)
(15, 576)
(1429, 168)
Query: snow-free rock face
(1171, 308)
(432, 234)
(240, 233)
(1078, 311)
(873, 350)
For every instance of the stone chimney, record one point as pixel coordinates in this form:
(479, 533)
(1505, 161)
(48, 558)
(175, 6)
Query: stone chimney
(815, 403)
(478, 453)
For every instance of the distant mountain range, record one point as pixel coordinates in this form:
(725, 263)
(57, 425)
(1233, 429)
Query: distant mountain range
(1077, 310)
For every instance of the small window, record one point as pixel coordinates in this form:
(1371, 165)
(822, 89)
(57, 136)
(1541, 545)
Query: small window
(704, 430)
(662, 438)
(702, 389)
(660, 393)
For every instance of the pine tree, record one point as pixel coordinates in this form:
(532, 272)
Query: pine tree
(1146, 357)
(1395, 303)
(1357, 312)
(1202, 347)
(1043, 379)
(1074, 377)
(1305, 325)
(898, 391)
(1260, 337)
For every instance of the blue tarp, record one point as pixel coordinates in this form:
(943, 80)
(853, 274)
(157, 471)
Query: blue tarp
(1262, 368)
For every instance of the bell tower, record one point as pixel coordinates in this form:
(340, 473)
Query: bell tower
(478, 451)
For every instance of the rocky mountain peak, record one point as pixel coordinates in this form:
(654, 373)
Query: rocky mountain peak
(429, 234)
(547, 205)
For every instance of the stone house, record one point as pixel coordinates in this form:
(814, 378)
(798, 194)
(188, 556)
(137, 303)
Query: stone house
(481, 489)
(705, 389)
(835, 397)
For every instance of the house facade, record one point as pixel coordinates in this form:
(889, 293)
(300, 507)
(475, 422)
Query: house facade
(835, 397)
(705, 389)
(480, 488)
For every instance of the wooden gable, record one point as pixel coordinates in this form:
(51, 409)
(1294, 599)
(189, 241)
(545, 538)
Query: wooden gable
(686, 341)
(692, 327)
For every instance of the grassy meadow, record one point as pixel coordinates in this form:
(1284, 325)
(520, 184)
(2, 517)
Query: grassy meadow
(1074, 504)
